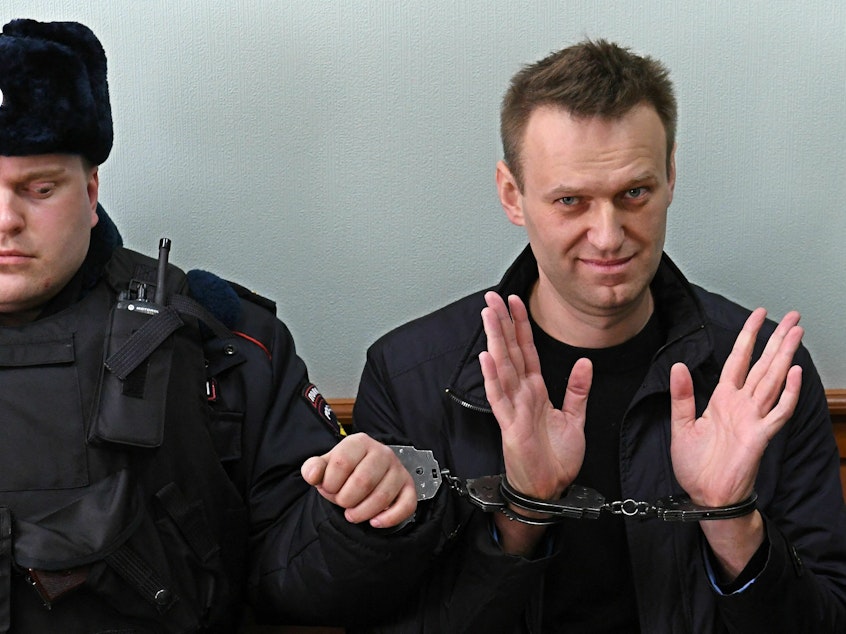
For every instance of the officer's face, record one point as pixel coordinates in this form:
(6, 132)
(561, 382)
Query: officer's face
(47, 209)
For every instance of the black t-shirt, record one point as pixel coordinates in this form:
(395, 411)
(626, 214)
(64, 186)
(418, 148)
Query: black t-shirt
(589, 588)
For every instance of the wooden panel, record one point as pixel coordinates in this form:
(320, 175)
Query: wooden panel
(837, 407)
(343, 408)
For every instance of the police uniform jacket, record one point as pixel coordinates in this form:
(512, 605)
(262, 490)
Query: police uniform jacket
(168, 517)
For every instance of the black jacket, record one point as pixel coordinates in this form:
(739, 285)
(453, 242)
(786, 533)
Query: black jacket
(161, 506)
(422, 385)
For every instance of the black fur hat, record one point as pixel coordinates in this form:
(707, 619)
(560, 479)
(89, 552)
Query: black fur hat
(55, 98)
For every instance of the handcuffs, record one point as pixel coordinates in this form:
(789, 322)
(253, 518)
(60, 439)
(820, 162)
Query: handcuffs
(494, 494)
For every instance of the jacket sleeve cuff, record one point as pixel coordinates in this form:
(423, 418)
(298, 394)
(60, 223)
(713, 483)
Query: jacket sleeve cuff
(747, 576)
(544, 549)
(773, 563)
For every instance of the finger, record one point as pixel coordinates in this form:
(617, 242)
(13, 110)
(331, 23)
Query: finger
(377, 501)
(507, 330)
(737, 364)
(370, 472)
(313, 470)
(493, 327)
(495, 320)
(771, 350)
(523, 334)
(576, 394)
(403, 507)
(342, 461)
(495, 302)
(383, 495)
(786, 405)
(682, 402)
(498, 350)
(499, 401)
(772, 383)
(509, 368)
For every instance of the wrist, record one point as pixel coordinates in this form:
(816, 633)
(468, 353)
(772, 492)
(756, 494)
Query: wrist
(733, 542)
(538, 494)
(517, 538)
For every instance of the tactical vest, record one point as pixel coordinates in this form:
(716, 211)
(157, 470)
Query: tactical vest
(116, 514)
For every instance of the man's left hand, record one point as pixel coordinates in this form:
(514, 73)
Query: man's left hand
(716, 456)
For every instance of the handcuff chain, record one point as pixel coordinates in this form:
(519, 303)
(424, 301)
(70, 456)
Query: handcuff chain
(455, 484)
(630, 508)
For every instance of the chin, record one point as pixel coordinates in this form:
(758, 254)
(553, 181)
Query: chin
(620, 301)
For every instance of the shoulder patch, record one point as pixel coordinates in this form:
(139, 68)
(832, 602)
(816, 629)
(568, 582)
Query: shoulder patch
(321, 408)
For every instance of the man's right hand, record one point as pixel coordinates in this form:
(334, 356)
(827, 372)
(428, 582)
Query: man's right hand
(365, 478)
(543, 447)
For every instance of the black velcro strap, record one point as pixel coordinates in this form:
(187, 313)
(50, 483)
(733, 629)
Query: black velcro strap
(187, 306)
(144, 342)
(135, 382)
(137, 573)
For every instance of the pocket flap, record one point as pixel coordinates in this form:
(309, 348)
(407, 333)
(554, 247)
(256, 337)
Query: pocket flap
(37, 352)
(82, 527)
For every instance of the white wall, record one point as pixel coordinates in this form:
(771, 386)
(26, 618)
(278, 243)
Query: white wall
(338, 156)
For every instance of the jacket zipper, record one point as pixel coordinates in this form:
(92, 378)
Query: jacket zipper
(465, 404)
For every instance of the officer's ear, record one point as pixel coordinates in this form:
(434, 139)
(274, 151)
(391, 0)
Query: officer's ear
(93, 189)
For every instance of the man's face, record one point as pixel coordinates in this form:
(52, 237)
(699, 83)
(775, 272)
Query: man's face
(47, 209)
(594, 204)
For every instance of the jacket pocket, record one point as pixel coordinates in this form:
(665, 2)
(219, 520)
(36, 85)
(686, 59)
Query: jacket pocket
(41, 416)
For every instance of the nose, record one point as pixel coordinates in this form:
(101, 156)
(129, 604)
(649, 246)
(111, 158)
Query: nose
(12, 220)
(606, 232)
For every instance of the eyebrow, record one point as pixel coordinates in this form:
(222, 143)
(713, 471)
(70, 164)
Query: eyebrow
(37, 173)
(643, 177)
(569, 190)
(563, 190)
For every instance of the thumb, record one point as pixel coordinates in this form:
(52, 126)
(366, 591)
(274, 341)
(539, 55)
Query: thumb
(576, 393)
(313, 470)
(682, 403)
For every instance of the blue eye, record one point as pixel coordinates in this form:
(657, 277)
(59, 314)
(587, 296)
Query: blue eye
(636, 192)
(568, 200)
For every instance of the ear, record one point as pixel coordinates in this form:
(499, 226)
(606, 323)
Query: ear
(510, 196)
(671, 172)
(93, 188)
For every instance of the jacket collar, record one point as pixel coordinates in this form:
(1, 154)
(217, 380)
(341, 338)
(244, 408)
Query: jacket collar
(680, 312)
(105, 238)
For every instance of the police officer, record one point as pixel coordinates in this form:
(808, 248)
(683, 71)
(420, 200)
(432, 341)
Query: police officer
(154, 422)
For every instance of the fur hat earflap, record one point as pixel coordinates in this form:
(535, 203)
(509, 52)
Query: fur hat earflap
(55, 97)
